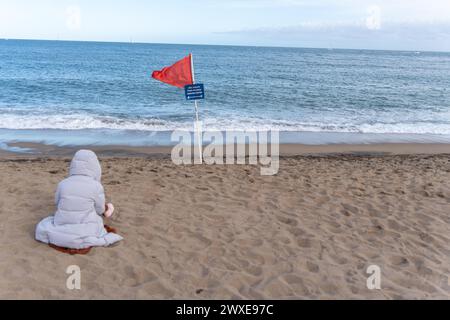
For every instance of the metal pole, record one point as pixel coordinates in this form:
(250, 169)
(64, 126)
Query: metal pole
(200, 148)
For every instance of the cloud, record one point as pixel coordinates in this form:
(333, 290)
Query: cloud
(73, 18)
(352, 34)
(373, 21)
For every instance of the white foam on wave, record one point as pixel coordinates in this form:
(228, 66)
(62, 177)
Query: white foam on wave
(85, 121)
(80, 122)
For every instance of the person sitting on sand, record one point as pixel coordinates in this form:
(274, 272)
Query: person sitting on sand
(80, 201)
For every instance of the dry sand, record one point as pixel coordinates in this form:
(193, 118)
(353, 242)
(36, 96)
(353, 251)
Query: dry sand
(226, 232)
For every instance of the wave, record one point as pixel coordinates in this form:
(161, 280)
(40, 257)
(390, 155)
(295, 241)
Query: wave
(92, 122)
(80, 122)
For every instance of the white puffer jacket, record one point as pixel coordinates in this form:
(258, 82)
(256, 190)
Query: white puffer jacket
(80, 200)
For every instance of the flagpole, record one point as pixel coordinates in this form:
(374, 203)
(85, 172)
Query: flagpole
(200, 149)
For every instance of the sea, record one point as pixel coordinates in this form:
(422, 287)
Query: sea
(93, 93)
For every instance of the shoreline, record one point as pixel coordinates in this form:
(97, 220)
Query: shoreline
(37, 150)
(147, 139)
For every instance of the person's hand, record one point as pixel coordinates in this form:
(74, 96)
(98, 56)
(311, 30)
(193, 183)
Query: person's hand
(109, 210)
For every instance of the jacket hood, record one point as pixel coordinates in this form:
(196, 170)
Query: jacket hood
(85, 163)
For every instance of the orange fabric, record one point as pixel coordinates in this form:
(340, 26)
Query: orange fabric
(178, 75)
(73, 252)
(110, 229)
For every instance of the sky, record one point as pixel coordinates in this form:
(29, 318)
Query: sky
(363, 24)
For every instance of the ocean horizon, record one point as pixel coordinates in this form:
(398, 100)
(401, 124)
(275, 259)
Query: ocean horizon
(131, 41)
(102, 93)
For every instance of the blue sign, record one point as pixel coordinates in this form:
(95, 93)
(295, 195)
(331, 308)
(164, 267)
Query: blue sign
(195, 91)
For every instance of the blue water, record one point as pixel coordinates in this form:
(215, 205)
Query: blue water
(102, 93)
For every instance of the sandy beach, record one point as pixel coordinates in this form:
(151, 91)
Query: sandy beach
(226, 232)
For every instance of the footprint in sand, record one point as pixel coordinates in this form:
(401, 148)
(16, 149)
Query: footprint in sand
(137, 276)
(206, 207)
(399, 261)
(196, 241)
(254, 271)
(312, 267)
(297, 232)
(377, 229)
(215, 179)
(394, 225)
(304, 243)
(288, 221)
(140, 221)
(350, 209)
(298, 285)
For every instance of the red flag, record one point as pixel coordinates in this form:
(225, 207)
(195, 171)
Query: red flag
(178, 75)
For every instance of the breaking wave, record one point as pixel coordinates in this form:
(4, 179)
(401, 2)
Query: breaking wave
(86, 121)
